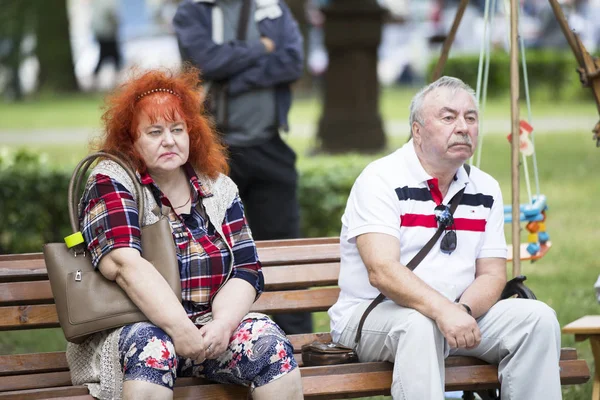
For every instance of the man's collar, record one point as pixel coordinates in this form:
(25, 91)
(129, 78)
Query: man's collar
(461, 176)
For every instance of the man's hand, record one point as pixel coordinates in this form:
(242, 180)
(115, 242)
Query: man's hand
(189, 343)
(268, 43)
(216, 335)
(458, 327)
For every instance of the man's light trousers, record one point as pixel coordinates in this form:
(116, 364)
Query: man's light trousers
(521, 336)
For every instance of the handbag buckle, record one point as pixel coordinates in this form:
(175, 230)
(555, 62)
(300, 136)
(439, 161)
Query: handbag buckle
(78, 252)
(78, 276)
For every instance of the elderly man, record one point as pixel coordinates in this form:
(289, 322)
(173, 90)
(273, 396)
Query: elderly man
(449, 304)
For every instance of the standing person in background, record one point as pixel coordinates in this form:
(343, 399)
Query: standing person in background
(105, 25)
(249, 52)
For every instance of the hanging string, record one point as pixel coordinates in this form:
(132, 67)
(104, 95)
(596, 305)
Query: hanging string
(529, 117)
(484, 39)
(482, 49)
(488, 45)
(524, 158)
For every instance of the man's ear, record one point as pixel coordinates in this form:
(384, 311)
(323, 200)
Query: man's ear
(416, 132)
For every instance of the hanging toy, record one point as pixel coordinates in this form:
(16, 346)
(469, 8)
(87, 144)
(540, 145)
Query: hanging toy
(525, 143)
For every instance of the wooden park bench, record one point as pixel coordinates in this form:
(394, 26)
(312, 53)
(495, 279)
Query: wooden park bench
(588, 327)
(300, 275)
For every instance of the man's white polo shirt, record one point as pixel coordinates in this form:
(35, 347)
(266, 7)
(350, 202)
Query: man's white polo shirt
(396, 196)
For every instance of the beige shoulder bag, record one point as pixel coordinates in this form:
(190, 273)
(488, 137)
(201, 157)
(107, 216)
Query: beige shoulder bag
(87, 302)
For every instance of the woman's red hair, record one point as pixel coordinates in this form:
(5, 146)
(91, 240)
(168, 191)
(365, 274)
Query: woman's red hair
(124, 106)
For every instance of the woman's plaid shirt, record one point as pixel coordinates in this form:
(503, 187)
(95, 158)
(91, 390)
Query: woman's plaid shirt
(110, 221)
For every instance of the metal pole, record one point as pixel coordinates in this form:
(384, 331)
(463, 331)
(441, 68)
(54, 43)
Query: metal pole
(514, 113)
(437, 72)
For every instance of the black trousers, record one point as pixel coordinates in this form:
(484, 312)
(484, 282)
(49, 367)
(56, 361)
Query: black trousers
(267, 180)
(109, 48)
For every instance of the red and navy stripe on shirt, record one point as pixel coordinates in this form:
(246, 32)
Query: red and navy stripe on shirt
(434, 194)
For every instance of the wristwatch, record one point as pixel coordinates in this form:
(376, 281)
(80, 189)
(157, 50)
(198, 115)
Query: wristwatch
(467, 308)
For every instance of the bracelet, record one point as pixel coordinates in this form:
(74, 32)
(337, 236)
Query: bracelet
(467, 308)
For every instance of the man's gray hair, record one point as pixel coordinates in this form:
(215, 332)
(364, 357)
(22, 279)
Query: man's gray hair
(444, 82)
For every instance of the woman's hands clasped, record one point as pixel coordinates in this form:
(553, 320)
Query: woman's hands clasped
(190, 343)
(216, 336)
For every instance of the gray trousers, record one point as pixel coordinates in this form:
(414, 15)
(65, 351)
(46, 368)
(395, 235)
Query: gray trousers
(521, 336)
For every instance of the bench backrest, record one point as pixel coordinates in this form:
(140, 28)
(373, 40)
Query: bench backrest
(296, 275)
(300, 275)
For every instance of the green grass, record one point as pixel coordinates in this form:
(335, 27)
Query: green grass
(84, 110)
(568, 164)
(50, 112)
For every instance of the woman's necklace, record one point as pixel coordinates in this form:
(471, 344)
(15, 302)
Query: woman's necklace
(184, 204)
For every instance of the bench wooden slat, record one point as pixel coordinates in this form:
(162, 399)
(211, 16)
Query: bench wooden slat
(51, 370)
(297, 242)
(296, 300)
(44, 315)
(301, 276)
(72, 392)
(276, 278)
(43, 380)
(350, 380)
(286, 255)
(18, 258)
(25, 293)
(347, 385)
(15, 364)
(28, 317)
(271, 252)
(18, 275)
(207, 392)
(574, 372)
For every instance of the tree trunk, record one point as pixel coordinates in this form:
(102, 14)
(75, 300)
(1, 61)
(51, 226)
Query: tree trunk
(351, 119)
(57, 73)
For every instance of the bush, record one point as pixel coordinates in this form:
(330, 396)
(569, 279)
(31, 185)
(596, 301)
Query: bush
(325, 184)
(550, 72)
(33, 205)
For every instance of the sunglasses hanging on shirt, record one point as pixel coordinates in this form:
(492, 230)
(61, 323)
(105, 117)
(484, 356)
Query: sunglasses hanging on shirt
(444, 218)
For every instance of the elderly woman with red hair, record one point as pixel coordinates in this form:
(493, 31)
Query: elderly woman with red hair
(156, 122)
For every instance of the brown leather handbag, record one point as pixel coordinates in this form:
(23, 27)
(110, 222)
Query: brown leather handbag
(318, 353)
(87, 302)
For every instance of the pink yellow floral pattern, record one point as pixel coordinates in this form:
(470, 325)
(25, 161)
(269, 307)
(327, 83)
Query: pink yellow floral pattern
(258, 353)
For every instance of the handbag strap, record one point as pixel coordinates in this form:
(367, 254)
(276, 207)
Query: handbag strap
(78, 176)
(416, 260)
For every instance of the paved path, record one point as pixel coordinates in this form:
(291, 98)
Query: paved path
(393, 128)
